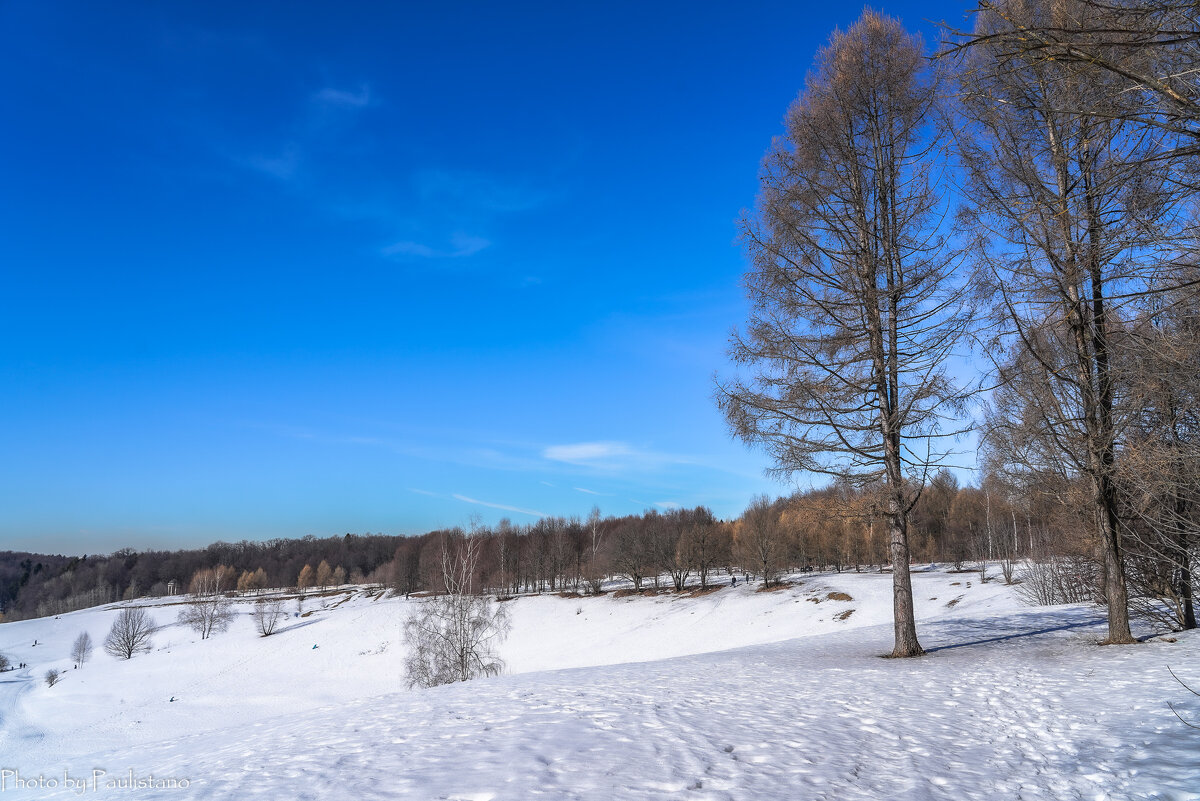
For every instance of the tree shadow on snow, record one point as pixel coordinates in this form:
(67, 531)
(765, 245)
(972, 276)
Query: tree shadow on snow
(1044, 623)
(294, 626)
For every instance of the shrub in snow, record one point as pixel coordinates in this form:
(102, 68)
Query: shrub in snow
(1008, 568)
(51, 677)
(1060, 580)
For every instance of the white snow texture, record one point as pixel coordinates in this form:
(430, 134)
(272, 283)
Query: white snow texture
(735, 694)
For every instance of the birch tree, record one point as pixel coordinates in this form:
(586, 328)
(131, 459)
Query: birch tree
(454, 636)
(81, 649)
(209, 611)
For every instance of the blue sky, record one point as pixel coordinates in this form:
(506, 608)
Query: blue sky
(274, 270)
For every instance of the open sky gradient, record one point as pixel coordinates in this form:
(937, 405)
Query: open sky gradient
(276, 269)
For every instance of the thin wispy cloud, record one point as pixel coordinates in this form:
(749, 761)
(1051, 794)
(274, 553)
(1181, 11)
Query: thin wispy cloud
(470, 192)
(283, 165)
(589, 492)
(610, 456)
(311, 132)
(501, 506)
(340, 98)
(476, 502)
(453, 212)
(460, 246)
(587, 452)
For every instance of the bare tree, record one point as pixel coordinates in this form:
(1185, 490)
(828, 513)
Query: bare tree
(659, 537)
(209, 611)
(324, 576)
(81, 650)
(595, 542)
(130, 633)
(51, 677)
(705, 543)
(1073, 204)
(853, 309)
(306, 579)
(678, 562)
(632, 557)
(758, 540)
(1144, 51)
(453, 636)
(267, 615)
(1159, 468)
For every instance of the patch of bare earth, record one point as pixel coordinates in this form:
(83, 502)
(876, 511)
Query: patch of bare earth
(779, 585)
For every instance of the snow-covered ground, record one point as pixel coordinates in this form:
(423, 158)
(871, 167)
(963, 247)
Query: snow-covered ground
(729, 695)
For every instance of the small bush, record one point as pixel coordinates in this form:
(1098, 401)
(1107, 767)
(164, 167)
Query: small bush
(1059, 580)
(1008, 569)
(51, 677)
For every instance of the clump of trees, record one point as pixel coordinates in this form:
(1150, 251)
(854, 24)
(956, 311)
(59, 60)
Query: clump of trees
(759, 543)
(1074, 126)
(130, 634)
(1077, 129)
(255, 581)
(38, 585)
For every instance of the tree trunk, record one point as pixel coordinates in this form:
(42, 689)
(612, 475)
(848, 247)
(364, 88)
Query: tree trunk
(902, 597)
(1115, 593)
(1185, 587)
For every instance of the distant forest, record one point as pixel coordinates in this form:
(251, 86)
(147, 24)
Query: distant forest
(840, 527)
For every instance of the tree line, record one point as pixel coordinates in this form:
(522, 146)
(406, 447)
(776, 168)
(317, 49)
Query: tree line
(839, 527)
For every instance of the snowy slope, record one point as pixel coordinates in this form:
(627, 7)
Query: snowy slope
(733, 694)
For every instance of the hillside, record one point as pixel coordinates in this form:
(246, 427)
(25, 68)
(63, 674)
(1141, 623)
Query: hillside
(730, 694)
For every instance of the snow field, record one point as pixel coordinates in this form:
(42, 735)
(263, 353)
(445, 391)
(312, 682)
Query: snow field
(729, 695)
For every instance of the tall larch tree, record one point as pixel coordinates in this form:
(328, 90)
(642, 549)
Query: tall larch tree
(854, 310)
